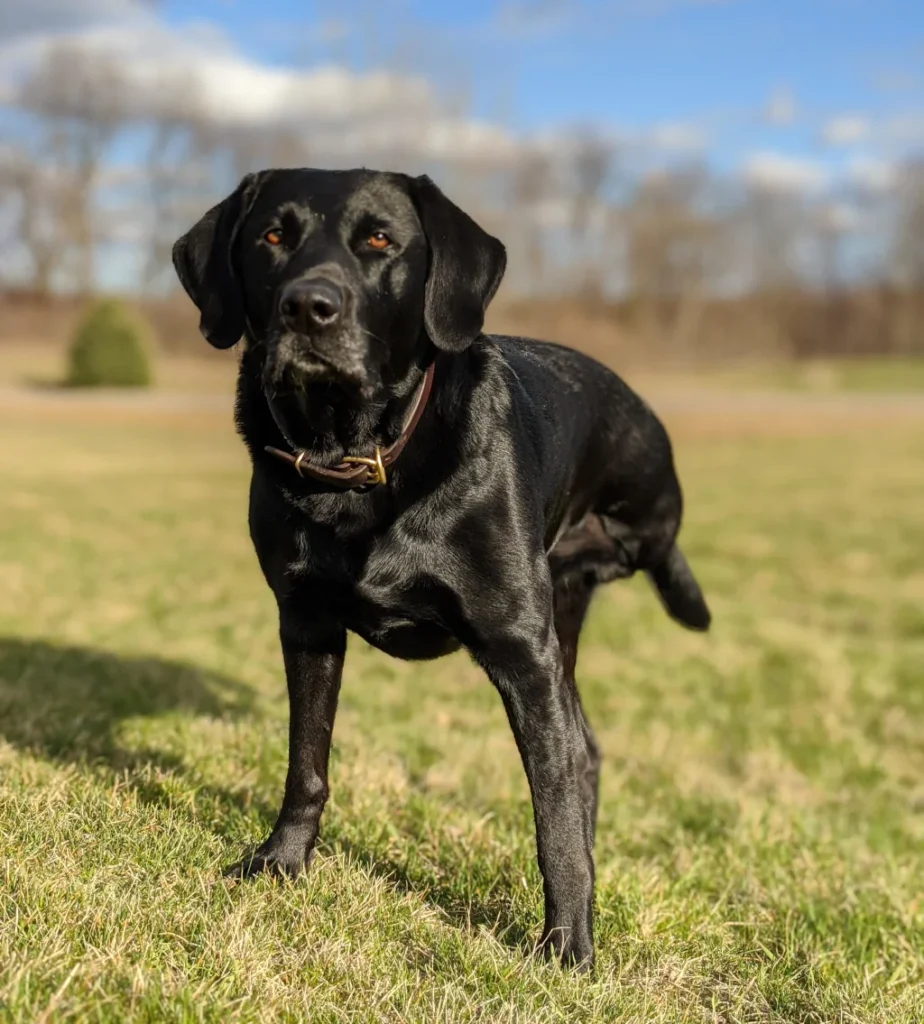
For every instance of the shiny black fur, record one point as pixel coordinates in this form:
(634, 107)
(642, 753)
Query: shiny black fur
(534, 475)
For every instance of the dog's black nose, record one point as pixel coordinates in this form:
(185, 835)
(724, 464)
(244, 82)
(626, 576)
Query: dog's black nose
(306, 305)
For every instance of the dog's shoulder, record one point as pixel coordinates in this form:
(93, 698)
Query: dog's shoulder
(563, 375)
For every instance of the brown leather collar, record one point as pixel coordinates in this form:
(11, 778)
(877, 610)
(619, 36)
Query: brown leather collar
(361, 470)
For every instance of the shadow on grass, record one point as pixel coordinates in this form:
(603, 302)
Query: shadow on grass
(66, 704)
(30, 382)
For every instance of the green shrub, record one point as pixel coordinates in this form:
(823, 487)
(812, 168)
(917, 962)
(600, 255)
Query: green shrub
(109, 349)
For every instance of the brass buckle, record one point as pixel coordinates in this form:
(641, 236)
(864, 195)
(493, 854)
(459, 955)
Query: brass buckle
(375, 464)
(299, 459)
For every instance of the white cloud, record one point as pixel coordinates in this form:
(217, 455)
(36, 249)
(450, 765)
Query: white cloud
(193, 72)
(781, 107)
(840, 217)
(845, 130)
(197, 72)
(29, 17)
(456, 139)
(872, 173)
(679, 136)
(784, 173)
(898, 132)
(906, 129)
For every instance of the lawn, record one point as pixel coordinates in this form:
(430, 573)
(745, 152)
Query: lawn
(870, 374)
(762, 803)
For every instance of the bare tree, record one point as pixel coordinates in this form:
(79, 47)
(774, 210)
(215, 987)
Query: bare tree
(532, 197)
(176, 183)
(908, 245)
(771, 221)
(76, 101)
(907, 258)
(769, 226)
(32, 199)
(590, 171)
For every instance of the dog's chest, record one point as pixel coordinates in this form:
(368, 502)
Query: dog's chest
(398, 603)
(387, 593)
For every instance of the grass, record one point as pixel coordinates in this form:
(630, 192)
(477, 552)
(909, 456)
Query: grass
(762, 804)
(869, 374)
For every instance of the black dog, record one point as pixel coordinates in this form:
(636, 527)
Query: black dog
(528, 474)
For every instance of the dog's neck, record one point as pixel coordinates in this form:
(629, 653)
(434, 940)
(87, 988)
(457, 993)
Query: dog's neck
(328, 422)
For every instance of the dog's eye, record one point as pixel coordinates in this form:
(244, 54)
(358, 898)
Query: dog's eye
(378, 240)
(273, 236)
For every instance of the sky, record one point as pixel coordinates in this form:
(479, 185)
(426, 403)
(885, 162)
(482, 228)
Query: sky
(801, 96)
(804, 86)
(800, 91)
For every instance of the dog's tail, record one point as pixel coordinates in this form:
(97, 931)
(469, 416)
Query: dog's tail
(679, 592)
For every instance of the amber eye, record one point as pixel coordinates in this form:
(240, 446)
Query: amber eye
(273, 236)
(378, 240)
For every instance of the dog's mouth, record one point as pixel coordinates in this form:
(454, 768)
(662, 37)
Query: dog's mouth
(295, 363)
(304, 387)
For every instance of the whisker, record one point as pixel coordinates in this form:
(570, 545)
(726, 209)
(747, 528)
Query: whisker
(375, 337)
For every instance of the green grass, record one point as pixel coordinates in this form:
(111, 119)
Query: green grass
(762, 805)
(873, 374)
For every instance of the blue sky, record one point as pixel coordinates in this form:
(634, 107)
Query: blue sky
(748, 75)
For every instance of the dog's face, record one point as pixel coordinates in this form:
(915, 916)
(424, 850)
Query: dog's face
(333, 268)
(341, 275)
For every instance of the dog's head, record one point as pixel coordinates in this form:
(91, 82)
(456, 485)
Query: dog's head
(342, 275)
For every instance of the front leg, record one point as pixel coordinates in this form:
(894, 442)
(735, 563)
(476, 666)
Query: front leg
(313, 655)
(523, 658)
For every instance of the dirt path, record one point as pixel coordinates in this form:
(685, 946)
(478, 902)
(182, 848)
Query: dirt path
(687, 412)
(129, 401)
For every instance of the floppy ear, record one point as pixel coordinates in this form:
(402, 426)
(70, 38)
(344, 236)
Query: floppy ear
(203, 262)
(466, 267)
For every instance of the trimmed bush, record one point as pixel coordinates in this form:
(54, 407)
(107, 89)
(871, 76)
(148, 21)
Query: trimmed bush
(109, 349)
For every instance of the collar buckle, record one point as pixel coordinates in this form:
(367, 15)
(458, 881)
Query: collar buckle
(375, 468)
(358, 471)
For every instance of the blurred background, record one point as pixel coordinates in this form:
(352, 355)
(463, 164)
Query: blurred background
(680, 183)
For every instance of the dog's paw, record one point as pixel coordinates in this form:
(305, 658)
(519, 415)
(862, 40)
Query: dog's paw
(282, 855)
(570, 947)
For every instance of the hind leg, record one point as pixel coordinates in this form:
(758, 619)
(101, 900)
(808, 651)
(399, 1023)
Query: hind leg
(596, 550)
(572, 595)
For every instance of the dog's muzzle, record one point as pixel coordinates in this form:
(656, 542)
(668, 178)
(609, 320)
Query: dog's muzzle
(315, 336)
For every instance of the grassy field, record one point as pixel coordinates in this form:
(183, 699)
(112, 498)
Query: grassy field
(899, 375)
(762, 805)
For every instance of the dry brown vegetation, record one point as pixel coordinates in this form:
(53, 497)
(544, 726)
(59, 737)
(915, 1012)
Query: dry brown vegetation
(802, 326)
